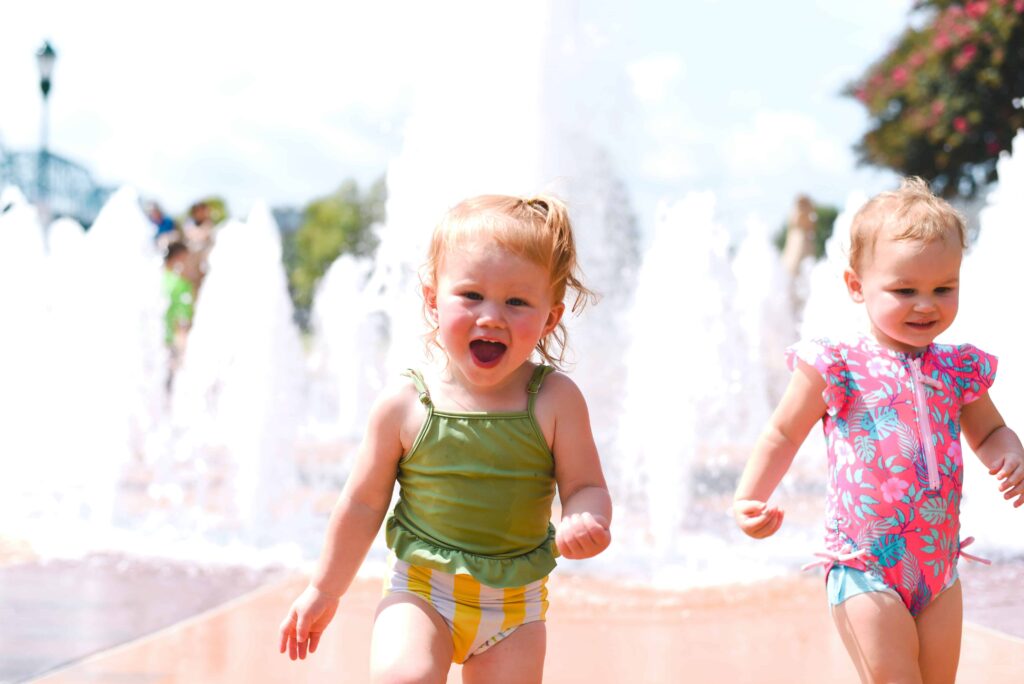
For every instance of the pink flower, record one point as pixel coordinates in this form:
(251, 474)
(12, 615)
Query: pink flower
(960, 124)
(941, 41)
(893, 489)
(938, 107)
(1018, 6)
(845, 455)
(916, 59)
(956, 453)
(975, 10)
(966, 55)
(878, 366)
(899, 76)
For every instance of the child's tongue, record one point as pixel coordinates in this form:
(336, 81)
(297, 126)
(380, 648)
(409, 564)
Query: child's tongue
(486, 352)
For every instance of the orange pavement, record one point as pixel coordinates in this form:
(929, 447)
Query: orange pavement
(777, 632)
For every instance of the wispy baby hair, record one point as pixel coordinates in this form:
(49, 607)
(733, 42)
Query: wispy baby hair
(912, 212)
(534, 228)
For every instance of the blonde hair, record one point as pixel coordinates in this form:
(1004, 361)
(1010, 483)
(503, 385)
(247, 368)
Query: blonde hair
(534, 228)
(912, 212)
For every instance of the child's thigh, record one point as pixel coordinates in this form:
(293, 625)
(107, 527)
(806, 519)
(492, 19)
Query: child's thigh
(410, 643)
(881, 637)
(516, 659)
(939, 630)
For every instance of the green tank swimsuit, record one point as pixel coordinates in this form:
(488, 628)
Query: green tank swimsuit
(475, 493)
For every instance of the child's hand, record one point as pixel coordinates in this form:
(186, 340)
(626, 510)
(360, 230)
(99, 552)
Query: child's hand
(582, 535)
(306, 621)
(756, 518)
(1009, 470)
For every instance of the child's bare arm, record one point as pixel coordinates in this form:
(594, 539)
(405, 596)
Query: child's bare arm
(353, 524)
(801, 407)
(996, 446)
(584, 530)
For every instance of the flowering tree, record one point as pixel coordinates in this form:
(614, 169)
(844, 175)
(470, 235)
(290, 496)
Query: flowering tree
(946, 99)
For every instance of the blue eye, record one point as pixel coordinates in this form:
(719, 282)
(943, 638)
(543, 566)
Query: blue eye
(516, 301)
(475, 296)
(943, 290)
(905, 292)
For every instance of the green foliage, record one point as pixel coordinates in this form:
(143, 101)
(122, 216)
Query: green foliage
(826, 218)
(332, 225)
(945, 100)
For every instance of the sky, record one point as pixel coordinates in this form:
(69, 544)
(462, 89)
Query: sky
(252, 102)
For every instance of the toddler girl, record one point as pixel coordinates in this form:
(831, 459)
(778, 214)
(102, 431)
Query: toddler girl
(892, 404)
(477, 447)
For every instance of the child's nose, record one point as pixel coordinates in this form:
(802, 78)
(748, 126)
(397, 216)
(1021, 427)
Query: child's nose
(489, 314)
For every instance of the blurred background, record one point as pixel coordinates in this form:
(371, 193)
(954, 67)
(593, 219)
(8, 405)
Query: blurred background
(212, 217)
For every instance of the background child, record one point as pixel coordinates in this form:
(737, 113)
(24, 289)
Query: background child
(477, 447)
(892, 404)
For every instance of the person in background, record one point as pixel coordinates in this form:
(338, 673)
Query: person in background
(180, 301)
(799, 247)
(198, 233)
(166, 231)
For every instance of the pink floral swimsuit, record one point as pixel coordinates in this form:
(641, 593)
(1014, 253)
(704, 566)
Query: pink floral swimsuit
(895, 466)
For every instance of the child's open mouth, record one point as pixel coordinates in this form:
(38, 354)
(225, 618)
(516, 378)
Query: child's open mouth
(921, 325)
(486, 353)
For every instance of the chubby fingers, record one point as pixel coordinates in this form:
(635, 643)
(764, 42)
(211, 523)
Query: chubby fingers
(1012, 482)
(582, 535)
(296, 638)
(288, 639)
(757, 518)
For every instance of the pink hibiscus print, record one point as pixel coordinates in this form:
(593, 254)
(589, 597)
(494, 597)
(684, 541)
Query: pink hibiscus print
(893, 489)
(956, 453)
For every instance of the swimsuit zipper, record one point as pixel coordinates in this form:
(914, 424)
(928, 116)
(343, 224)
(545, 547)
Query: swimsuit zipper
(924, 422)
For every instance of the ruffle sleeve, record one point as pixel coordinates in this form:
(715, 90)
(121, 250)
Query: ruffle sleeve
(826, 358)
(977, 372)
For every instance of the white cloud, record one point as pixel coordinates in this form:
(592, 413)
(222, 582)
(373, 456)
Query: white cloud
(777, 141)
(654, 77)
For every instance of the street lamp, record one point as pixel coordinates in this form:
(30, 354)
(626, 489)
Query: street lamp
(45, 57)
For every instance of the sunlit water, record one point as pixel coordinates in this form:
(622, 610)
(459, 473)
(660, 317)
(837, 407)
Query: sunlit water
(680, 360)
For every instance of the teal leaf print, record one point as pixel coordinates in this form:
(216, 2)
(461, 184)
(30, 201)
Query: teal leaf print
(880, 422)
(888, 549)
(865, 448)
(934, 511)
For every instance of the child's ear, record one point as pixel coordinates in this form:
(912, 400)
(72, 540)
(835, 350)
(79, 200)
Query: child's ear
(554, 316)
(853, 285)
(430, 299)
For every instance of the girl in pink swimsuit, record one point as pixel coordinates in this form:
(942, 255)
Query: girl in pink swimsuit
(892, 404)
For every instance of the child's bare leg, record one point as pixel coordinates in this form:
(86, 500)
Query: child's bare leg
(411, 644)
(939, 628)
(516, 659)
(880, 636)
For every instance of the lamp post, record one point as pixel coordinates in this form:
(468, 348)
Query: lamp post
(45, 57)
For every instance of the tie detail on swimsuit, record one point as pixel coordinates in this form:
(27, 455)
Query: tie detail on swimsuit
(829, 557)
(971, 556)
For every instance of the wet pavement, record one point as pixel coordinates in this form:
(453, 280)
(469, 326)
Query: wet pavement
(58, 612)
(120, 619)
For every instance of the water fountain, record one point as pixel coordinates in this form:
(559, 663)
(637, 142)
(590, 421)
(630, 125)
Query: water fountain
(680, 359)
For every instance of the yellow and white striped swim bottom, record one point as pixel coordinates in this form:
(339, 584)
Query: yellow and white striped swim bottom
(478, 616)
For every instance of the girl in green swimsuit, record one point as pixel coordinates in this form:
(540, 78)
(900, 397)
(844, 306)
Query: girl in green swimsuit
(478, 449)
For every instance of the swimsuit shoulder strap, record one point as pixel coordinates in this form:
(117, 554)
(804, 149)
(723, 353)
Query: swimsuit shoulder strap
(536, 380)
(421, 385)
